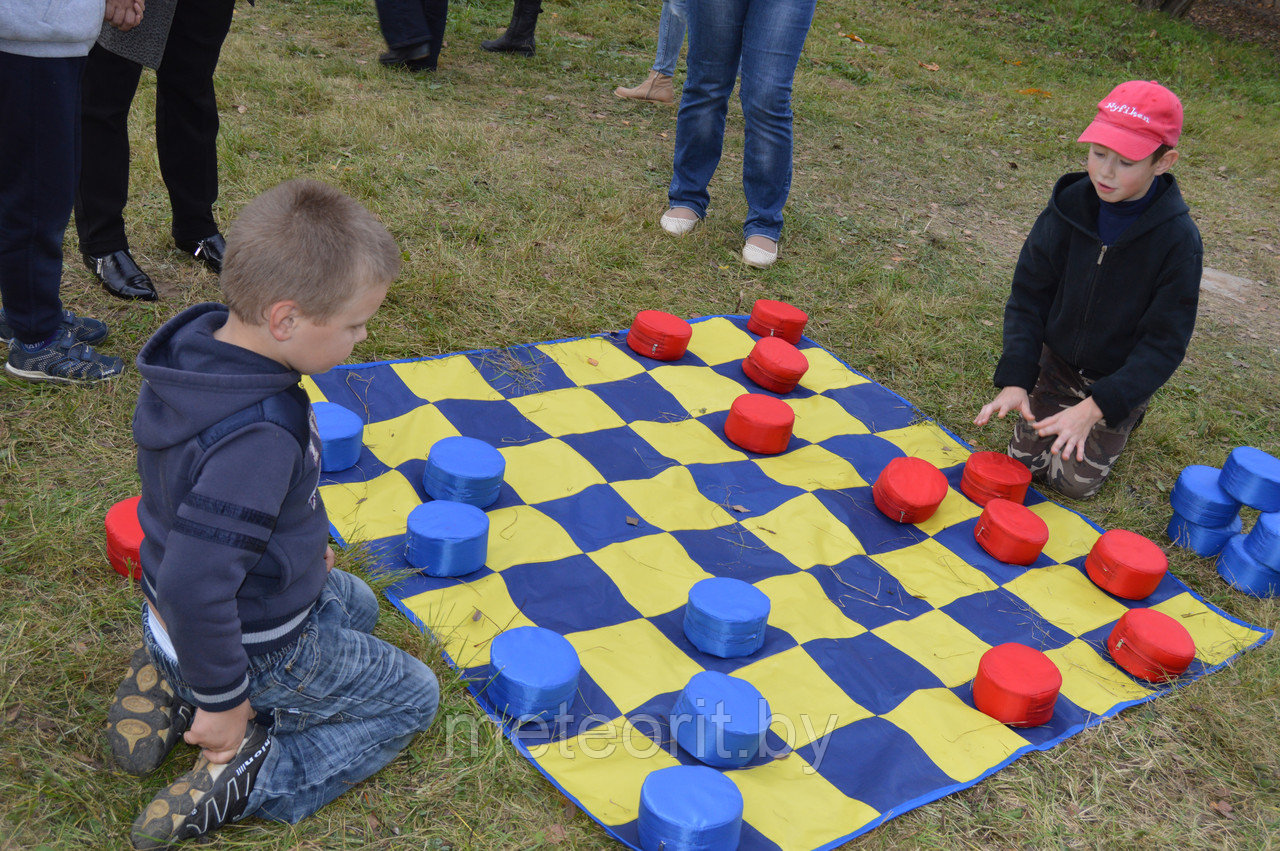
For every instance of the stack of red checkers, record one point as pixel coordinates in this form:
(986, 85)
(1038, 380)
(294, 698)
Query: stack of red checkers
(1011, 532)
(1151, 645)
(124, 537)
(1126, 564)
(1016, 685)
(994, 475)
(760, 423)
(659, 335)
(775, 364)
(777, 319)
(909, 490)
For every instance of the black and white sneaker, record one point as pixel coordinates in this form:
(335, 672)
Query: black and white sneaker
(64, 360)
(84, 329)
(205, 798)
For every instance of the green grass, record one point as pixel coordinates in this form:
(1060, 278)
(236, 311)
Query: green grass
(526, 197)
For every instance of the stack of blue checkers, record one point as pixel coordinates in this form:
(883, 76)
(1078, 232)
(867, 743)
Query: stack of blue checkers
(341, 436)
(533, 674)
(689, 808)
(720, 720)
(447, 538)
(1204, 515)
(463, 469)
(726, 617)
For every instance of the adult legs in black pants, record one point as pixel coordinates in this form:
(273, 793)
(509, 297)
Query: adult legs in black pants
(186, 142)
(414, 30)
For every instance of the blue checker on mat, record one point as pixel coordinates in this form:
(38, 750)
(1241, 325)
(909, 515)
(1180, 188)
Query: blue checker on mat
(871, 634)
(463, 469)
(534, 673)
(341, 436)
(689, 808)
(447, 538)
(721, 720)
(726, 617)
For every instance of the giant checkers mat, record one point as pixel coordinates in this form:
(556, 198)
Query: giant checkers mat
(621, 492)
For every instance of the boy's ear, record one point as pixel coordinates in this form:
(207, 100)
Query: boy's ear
(1166, 162)
(281, 318)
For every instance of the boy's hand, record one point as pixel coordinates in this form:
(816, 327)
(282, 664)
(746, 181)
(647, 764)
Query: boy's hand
(1008, 399)
(1072, 426)
(329, 559)
(219, 734)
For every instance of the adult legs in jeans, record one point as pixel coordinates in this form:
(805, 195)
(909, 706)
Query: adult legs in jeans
(767, 37)
(343, 703)
(671, 26)
(39, 158)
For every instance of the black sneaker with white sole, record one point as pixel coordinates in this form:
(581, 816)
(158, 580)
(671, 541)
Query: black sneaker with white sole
(205, 798)
(64, 360)
(84, 329)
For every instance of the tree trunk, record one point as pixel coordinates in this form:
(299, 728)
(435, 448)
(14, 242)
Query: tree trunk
(1174, 8)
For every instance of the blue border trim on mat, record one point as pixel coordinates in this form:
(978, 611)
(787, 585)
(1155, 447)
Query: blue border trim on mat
(914, 802)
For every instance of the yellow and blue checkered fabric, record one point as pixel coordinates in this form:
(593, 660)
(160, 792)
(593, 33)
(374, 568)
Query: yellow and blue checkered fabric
(621, 492)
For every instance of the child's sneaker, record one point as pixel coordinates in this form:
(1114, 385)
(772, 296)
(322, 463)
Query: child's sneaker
(146, 719)
(63, 360)
(84, 329)
(205, 798)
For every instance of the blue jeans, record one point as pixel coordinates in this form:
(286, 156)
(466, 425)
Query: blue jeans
(342, 702)
(766, 37)
(670, 36)
(39, 161)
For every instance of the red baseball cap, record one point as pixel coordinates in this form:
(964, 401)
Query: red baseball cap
(1135, 119)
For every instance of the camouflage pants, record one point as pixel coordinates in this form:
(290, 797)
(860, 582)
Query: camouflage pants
(1058, 388)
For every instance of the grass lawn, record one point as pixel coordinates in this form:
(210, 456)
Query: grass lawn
(526, 199)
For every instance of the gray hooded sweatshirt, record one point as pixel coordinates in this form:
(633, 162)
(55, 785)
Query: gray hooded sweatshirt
(50, 29)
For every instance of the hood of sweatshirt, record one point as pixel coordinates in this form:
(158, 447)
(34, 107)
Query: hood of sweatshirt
(1076, 201)
(192, 381)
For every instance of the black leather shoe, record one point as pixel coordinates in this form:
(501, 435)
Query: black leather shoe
(121, 276)
(415, 57)
(208, 251)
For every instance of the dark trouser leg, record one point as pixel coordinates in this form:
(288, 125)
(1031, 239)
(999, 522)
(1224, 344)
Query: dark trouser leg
(39, 159)
(1058, 388)
(403, 22)
(436, 13)
(187, 115)
(109, 85)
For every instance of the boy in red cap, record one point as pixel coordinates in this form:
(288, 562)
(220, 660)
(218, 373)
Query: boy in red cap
(1104, 296)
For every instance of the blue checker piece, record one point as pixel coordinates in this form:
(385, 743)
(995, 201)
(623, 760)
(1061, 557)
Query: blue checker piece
(689, 808)
(447, 538)
(671, 625)
(537, 589)
(866, 593)
(464, 469)
(721, 720)
(726, 617)
(341, 436)
(533, 674)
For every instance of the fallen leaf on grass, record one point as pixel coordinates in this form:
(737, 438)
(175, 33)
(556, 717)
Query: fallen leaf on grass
(1038, 92)
(556, 834)
(11, 714)
(1222, 808)
(852, 37)
(930, 66)
(1011, 61)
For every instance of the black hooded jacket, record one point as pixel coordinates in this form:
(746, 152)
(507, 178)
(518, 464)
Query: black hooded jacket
(233, 557)
(1121, 314)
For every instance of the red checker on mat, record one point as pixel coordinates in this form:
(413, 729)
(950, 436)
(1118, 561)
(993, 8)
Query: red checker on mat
(1151, 645)
(760, 423)
(1126, 564)
(124, 537)
(777, 319)
(1011, 532)
(659, 335)
(1016, 685)
(994, 475)
(909, 490)
(775, 364)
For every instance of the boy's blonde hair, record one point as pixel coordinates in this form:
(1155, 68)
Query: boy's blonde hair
(307, 242)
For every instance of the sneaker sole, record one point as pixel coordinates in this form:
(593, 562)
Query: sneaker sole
(146, 719)
(34, 375)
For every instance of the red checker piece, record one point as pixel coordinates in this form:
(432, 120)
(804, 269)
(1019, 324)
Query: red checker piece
(124, 537)
(760, 423)
(775, 364)
(1011, 532)
(1126, 564)
(659, 335)
(994, 475)
(909, 490)
(1016, 685)
(777, 319)
(1151, 645)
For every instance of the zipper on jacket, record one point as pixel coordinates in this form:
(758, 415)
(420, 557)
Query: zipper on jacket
(1102, 254)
